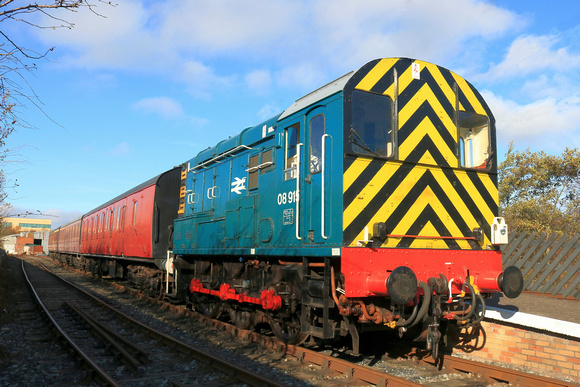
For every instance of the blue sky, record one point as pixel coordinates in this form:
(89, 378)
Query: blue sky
(147, 86)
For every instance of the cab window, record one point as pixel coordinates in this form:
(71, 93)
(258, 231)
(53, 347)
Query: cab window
(474, 144)
(292, 138)
(316, 133)
(371, 132)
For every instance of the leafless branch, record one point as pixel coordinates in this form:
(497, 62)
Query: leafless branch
(17, 62)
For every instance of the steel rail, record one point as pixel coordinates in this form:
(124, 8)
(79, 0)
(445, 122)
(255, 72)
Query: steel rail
(112, 340)
(99, 374)
(234, 371)
(379, 378)
(500, 374)
(360, 372)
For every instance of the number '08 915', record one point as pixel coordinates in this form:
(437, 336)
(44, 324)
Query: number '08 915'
(287, 197)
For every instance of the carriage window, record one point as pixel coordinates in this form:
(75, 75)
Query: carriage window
(123, 217)
(292, 138)
(118, 217)
(371, 132)
(316, 133)
(134, 213)
(474, 145)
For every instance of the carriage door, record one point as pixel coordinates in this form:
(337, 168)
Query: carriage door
(316, 170)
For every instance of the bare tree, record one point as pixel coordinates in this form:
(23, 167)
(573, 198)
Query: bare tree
(17, 62)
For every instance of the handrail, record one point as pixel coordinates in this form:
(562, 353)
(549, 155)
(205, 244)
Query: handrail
(192, 198)
(263, 165)
(216, 158)
(297, 201)
(322, 200)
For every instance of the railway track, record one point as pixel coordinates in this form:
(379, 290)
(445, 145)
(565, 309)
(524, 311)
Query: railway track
(119, 350)
(319, 367)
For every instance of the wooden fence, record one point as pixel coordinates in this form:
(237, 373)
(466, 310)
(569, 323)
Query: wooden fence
(549, 264)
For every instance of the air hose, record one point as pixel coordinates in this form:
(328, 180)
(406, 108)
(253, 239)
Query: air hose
(426, 301)
(472, 306)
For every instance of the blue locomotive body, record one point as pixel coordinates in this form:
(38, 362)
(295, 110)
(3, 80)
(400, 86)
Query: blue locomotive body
(359, 206)
(273, 190)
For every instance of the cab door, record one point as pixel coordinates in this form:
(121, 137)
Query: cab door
(290, 208)
(316, 176)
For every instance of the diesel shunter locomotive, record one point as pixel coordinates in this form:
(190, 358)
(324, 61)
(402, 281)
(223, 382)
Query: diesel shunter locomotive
(369, 204)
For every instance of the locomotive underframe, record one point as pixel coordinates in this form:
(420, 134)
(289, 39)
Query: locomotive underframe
(312, 299)
(298, 298)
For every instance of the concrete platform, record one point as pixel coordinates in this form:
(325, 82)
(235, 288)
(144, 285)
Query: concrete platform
(551, 314)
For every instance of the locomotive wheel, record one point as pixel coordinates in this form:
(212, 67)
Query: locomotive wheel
(242, 319)
(207, 305)
(288, 331)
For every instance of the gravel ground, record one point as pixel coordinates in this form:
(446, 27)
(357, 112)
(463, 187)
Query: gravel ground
(30, 356)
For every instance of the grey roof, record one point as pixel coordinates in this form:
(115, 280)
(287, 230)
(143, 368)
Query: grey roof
(317, 95)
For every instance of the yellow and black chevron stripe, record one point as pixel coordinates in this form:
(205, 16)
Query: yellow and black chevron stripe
(182, 191)
(423, 197)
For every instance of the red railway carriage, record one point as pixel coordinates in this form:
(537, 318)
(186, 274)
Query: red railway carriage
(53, 240)
(66, 238)
(128, 237)
(136, 223)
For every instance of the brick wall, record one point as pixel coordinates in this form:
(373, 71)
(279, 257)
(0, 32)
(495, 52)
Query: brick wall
(551, 355)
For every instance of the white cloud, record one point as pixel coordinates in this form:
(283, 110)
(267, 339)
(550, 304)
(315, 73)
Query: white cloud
(169, 109)
(163, 106)
(189, 41)
(558, 85)
(268, 111)
(58, 216)
(201, 79)
(548, 123)
(540, 76)
(118, 40)
(219, 26)
(355, 32)
(530, 54)
(302, 75)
